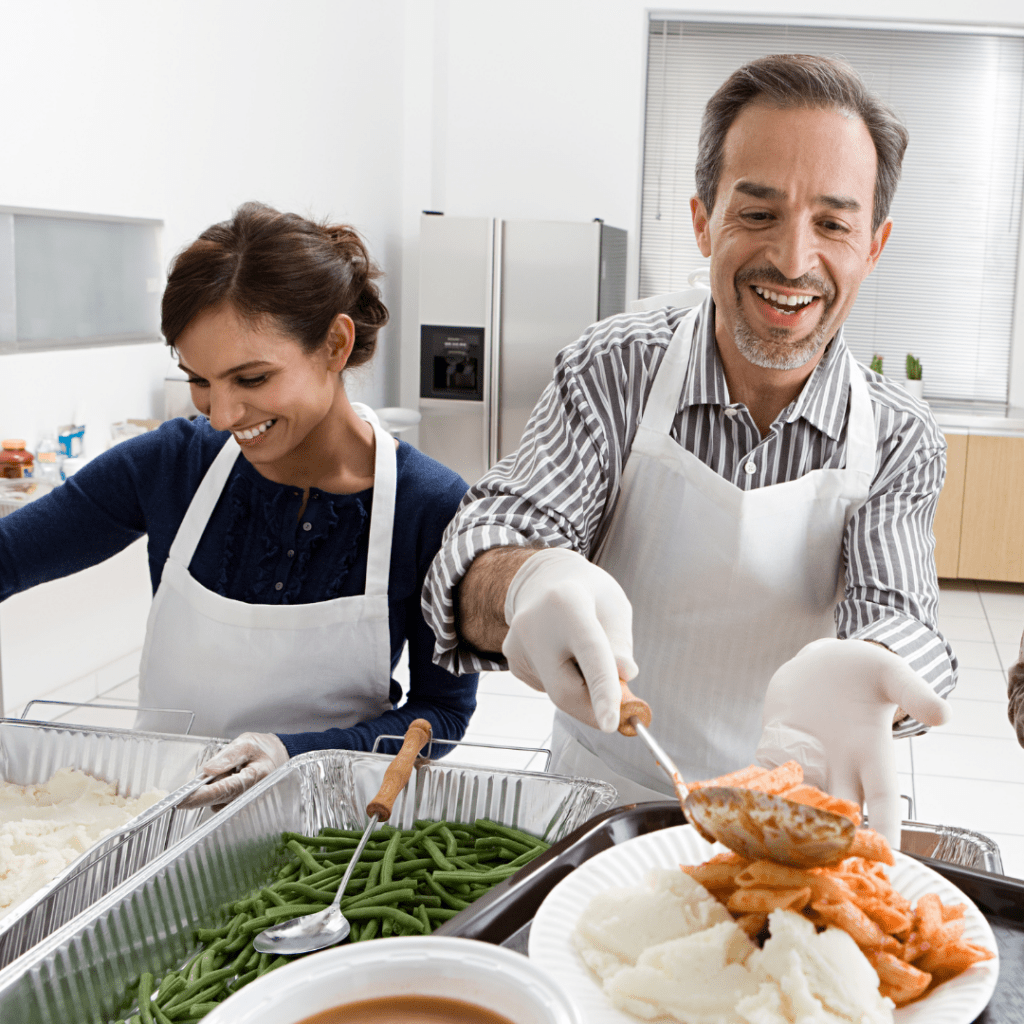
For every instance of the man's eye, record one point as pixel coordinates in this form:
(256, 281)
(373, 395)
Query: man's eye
(757, 215)
(831, 225)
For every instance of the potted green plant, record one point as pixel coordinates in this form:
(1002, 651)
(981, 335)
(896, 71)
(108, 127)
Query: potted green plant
(876, 363)
(914, 384)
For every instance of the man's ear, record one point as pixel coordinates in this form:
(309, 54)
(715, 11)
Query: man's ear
(878, 240)
(701, 231)
(340, 339)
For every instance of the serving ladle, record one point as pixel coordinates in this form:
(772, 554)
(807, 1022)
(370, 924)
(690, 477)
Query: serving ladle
(755, 825)
(327, 927)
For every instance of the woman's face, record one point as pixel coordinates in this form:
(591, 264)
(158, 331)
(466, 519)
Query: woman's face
(260, 384)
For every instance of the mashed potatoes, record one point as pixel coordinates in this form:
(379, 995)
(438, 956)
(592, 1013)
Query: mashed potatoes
(670, 950)
(43, 828)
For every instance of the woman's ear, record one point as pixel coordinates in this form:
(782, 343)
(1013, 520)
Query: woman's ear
(340, 339)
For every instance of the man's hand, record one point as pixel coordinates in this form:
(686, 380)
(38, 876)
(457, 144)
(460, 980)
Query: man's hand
(570, 634)
(831, 708)
(253, 756)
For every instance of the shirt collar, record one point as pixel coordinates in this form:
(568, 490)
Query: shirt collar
(822, 401)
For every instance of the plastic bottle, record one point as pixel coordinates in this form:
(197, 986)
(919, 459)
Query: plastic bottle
(15, 461)
(49, 457)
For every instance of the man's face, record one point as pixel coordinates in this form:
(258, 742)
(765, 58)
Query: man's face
(790, 235)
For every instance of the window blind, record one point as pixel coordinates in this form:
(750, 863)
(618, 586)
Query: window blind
(944, 287)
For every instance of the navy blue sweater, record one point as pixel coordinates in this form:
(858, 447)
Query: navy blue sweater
(145, 484)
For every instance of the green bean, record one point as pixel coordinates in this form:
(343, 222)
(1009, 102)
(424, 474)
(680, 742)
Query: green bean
(369, 930)
(441, 914)
(304, 855)
(437, 856)
(388, 863)
(392, 914)
(337, 842)
(174, 982)
(145, 992)
(312, 894)
(446, 897)
(465, 877)
(515, 834)
(159, 1016)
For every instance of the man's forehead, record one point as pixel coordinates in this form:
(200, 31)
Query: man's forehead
(771, 151)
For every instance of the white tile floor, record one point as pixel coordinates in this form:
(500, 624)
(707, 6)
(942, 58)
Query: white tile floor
(970, 773)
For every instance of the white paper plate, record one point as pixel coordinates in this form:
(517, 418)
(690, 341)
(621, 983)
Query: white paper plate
(956, 1002)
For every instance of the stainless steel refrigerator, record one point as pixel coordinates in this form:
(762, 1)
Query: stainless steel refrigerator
(498, 299)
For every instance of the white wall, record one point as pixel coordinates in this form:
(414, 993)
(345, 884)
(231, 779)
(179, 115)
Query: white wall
(181, 111)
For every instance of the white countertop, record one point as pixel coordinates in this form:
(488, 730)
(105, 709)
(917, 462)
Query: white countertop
(979, 418)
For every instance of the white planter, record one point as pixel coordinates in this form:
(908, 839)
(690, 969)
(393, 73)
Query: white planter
(915, 387)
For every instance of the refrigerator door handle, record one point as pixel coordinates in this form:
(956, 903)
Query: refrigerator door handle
(492, 389)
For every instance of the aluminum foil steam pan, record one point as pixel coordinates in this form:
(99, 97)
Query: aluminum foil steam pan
(30, 752)
(83, 971)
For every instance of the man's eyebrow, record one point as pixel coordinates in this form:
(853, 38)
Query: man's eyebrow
(759, 191)
(752, 188)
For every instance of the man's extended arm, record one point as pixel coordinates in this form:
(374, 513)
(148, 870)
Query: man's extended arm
(480, 598)
(892, 590)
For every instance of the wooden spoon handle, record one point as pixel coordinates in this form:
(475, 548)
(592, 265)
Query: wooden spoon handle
(400, 769)
(632, 707)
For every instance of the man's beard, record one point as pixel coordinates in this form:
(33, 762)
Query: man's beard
(780, 350)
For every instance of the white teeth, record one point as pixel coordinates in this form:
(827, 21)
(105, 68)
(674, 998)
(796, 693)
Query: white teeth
(248, 435)
(784, 300)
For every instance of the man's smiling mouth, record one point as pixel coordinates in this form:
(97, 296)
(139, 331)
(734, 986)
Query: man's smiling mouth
(788, 304)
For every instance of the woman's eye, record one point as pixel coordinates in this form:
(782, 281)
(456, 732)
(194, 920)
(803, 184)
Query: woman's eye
(252, 382)
(198, 382)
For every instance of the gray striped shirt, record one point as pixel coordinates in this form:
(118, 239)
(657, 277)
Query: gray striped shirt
(559, 488)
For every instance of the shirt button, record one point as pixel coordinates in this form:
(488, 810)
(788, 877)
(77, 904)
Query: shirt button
(731, 413)
(291, 553)
(749, 468)
(307, 526)
(279, 586)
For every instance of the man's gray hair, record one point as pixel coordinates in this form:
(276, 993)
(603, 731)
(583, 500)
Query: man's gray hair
(802, 80)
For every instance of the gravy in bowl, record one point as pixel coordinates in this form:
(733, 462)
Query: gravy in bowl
(408, 1010)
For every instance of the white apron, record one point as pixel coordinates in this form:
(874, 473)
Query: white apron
(268, 668)
(725, 584)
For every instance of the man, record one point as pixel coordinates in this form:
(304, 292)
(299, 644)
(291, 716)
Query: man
(722, 493)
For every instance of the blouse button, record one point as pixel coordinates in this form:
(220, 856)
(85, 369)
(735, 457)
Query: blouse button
(291, 553)
(749, 468)
(307, 526)
(279, 586)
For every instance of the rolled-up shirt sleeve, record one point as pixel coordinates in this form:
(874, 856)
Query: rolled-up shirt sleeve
(892, 590)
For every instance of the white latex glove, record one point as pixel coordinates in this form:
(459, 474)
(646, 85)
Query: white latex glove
(253, 756)
(571, 635)
(831, 708)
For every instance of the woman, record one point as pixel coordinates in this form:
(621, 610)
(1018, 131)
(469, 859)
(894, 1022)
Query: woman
(288, 536)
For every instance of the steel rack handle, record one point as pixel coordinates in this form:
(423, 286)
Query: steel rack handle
(115, 707)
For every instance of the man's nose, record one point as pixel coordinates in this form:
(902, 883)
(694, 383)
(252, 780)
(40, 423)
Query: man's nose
(794, 250)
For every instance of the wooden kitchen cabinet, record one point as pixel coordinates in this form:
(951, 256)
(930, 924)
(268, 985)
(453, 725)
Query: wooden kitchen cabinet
(979, 523)
(949, 513)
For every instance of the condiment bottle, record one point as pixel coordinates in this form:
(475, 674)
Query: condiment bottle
(15, 461)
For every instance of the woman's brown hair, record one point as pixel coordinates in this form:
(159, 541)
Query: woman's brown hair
(281, 266)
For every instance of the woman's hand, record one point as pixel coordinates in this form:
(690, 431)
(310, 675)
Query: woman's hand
(252, 757)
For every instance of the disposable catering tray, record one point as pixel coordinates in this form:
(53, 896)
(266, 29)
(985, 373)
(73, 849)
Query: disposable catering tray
(30, 752)
(147, 924)
(503, 916)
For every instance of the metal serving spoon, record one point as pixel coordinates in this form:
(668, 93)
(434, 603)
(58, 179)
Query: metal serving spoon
(755, 825)
(327, 927)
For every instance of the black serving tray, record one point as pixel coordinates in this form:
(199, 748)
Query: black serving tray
(504, 915)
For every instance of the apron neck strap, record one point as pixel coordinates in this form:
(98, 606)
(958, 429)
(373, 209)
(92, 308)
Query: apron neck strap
(663, 400)
(382, 515)
(203, 501)
(861, 441)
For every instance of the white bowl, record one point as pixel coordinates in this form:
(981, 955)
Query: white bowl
(477, 972)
